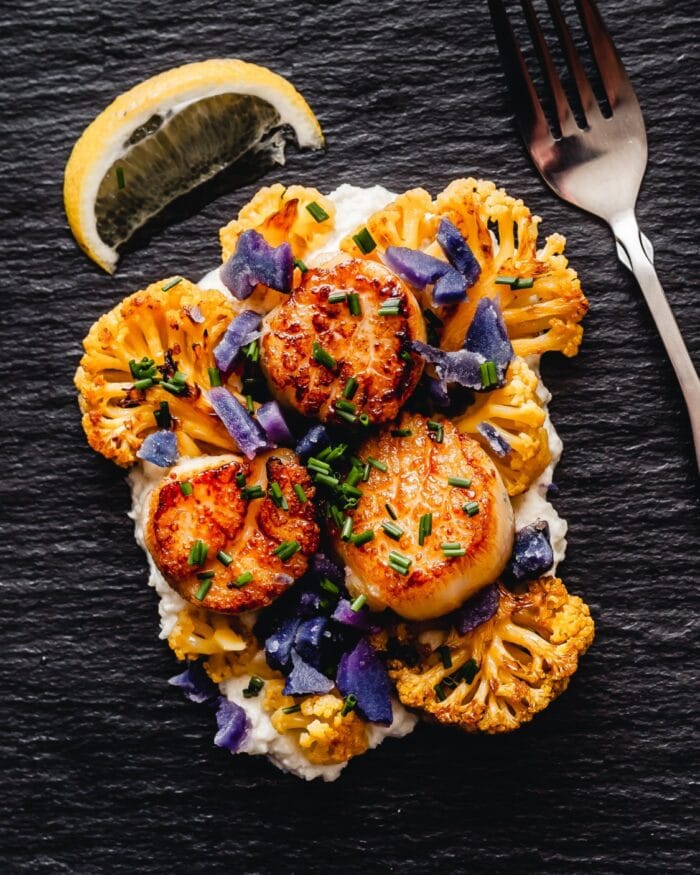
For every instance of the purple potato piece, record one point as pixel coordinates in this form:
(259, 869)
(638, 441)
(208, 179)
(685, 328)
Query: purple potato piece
(233, 725)
(457, 250)
(269, 415)
(195, 314)
(437, 392)
(487, 336)
(309, 638)
(497, 443)
(239, 333)
(195, 683)
(323, 566)
(450, 288)
(362, 673)
(461, 366)
(315, 439)
(255, 261)
(532, 552)
(360, 620)
(415, 267)
(477, 610)
(278, 646)
(245, 431)
(309, 603)
(305, 680)
(159, 448)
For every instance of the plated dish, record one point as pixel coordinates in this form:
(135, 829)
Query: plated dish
(341, 462)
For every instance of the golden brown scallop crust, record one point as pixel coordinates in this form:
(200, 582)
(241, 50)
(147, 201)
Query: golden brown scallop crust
(248, 531)
(367, 347)
(416, 483)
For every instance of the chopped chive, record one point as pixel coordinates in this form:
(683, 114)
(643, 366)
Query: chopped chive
(277, 495)
(251, 492)
(364, 241)
(401, 432)
(365, 472)
(505, 280)
(438, 429)
(375, 463)
(354, 304)
(224, 558)
(205, 575)
(336, 515)
(471, 508)
(198, 553)
(249, 403)
(462, 482)
(291, 709)
(346, 406)
(300, 264)
(175, 387)
(364, 419)
(362, 538)
(186, 487)
(326, 479)
(143, 384)
(350, 389)
(324, 454)
(337, 297)
(347, 489)
(390, 510)
(425, 527)
(346, 531)
(243, 579)
(214, 377)
(287, 549)
(252, 350)
(329, 586)
(172, 284)
(469, 669)
(301, 495)
(395, 566)
(240, 479)
(389, 311)
(162, 415)
(440, 694)
(349, 704)
(354, 476)
(523, 283)
(445, 656)
(399, 559)
(489, 376)
(336, 452)
(406, 356)
(323, 357)
(358, 603)
(146, 367)
(317, 211)
(392, 530)
(453, 548)
(320, 465)
(255, 684)
(120, 178)
(204, 588)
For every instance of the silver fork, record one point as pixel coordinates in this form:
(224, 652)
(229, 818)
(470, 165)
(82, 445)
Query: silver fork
(598, 168)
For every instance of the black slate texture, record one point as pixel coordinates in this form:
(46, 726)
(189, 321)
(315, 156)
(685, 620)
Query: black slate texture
(105, 767)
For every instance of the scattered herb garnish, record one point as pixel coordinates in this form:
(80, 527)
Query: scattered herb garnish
(349, 704)
(362, 537)
(453, 548)
(204, 588)
(471, 508)
(375, 463)
(437, 429)
(291, 709)
(354, 304)
(162, 415)
(390, 510)
(337, 297)
(243, 579)
(255, 684)
(120, 178)
(461, 482)
(317, 211)
(425, 527)
(392, 530)
(250, 492)
(401, 432)
(186, 487)
(287, 549)
(364, 241)
(350, 389)
(300, 264)
(358, 603)
(346, 530)
(214, 377)
(445, 656)
(198, 553)
(301, 495)
(323, 357)
(278, 496)
(224, 558)
(171, 284)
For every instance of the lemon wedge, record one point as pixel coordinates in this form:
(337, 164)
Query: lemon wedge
(169, 134)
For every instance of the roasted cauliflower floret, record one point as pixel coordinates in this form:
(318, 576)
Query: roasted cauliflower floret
(227, 643)
(169, 329)
(324, 734)
(409, 220)
(497, 677)
(280, 214)
(517, 414)
(534, 316)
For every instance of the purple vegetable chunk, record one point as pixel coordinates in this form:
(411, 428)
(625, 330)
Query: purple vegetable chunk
(457, 250)
(309, 603)
(487, 336)
(239, 333)
(322, 566)
(415, 267)
(461, 366)
(269, 415)
(315, 439)
(305, 680)
(160, 448)
(195, 314)
(498, 444)
(552, 490)
(278, 646)
(195, 683)
(480, 608)
(451, 288)
(532, 552)
(437, 392)
(361, 673)
(255, 261)
(309, 638)
(233, 725)
(245, 431)
(360, 620)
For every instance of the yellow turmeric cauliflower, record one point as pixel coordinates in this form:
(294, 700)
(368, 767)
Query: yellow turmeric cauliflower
(155, 324)
(539, 318)
(280, 215)
(517, 413)
(323, 733)
(227, 643)
(506, 670)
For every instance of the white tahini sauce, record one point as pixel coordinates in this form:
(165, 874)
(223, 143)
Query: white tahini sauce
(353, 206)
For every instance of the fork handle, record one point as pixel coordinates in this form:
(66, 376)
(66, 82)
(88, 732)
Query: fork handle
(636, 253)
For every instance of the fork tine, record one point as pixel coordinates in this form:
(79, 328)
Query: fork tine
(589, 103)
(612, 72)
(567, 123)
(528, 110)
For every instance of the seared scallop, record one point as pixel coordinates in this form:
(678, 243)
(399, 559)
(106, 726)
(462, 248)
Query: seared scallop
(439, 515)
(230, 534)
(338, 349)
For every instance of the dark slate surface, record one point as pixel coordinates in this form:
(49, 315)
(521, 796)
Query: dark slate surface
(106, 768)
